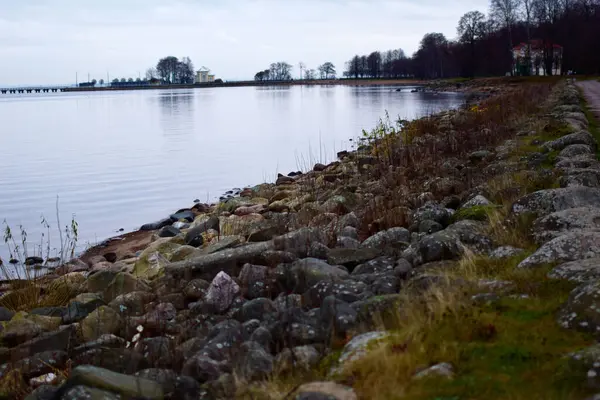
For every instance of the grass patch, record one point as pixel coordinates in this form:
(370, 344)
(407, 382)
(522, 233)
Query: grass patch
(475, 213)
(512, 348)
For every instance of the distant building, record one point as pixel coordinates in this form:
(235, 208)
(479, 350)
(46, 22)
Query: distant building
(203, 76)
(540, 53)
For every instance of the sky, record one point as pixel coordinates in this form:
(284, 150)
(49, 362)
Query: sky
(57, 41)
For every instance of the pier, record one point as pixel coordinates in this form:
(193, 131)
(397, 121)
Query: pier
(23, 90)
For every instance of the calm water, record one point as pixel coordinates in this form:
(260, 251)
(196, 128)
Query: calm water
(120, 159)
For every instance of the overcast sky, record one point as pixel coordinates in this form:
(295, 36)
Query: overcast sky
(48, 41)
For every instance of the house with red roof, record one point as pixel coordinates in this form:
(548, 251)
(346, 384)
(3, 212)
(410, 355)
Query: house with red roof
(537, 58)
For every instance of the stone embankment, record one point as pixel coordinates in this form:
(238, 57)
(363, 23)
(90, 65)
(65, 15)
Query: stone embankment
(270, 281)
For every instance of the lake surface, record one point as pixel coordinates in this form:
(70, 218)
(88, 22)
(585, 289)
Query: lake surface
(120, 159)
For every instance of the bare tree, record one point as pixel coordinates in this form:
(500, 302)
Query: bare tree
(327, 70)
(310, 74)
(151, 73)
(471, 28)
(302, 67)
(507, 12)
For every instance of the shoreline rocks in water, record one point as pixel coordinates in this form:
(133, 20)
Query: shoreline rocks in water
(268, 279)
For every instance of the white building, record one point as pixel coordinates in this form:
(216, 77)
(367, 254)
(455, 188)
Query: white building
(537, 64)
(203, 76)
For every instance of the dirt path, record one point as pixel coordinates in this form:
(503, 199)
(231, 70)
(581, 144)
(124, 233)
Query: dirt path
(591, 90)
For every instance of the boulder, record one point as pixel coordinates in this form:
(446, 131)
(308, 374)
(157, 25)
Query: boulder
(439, 246)
(203, 368)
(230, 261)
(19, 330)
(558, 223)
(124, 385)
(299, 242)
(153, 259)
(547, 201)
(103, 320)
(356, 348)
(221, 292)
(132, 304)
(255, 281)
(301, 357)
(584, 161)
(156, 225)
(580, 177)
(581, 137)
(575, 150)
(193, 236)
(389, 240)
(350, 258)
(477, 200)
(579, 271)
(168, 231)
(98, 281)
(434, 212)
(505, 252)
(123, 283)
(442, 370)
(569, 247)
(580, 312)
(253, 362)
(307, 272)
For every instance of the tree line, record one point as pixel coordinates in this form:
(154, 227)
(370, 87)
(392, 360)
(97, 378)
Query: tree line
(559, 35)
(172, 70)
(282, 71)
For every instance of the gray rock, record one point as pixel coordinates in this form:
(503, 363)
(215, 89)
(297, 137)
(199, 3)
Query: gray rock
(132, 304)
(584, 161)
(581, 311)
(6, 314)
(351, 257)
(124, 283)
(103, 320)
(580, 177)
(256, 309)
(298, 242)
(349, 231)
(79, 392)
(307, 272)
(125, 385)
(443, 245)
(443, 370)
(168, 231)
(156, 225)
(477, 200)
(434, 212)
(196, 289)
(581, 137)
(575, 150)
(17, 331)
(356, 348)
(544, 202)
(230, 261)
(573, 219)
(221, 292)
(253, 362)
(159, 351)
(300, 357)
(99, 280)
(317, 250)
(255, 281)
(394, 238)
(337, 316)
(203, 368)
(428, 227)
(324, 391)
(579, 271)
(345, 242)
(469, 233)
(41, 363)
(174, 386)
(193, 236)
(505, 252)
(569, 247)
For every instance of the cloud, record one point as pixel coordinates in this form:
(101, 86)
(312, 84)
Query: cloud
(47, 41)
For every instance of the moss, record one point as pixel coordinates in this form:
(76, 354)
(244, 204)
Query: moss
(476, 213)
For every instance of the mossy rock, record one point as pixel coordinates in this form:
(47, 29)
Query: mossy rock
(475, 213)
(153, 259)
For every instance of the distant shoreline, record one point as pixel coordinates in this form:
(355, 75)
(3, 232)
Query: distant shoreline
(348, 82)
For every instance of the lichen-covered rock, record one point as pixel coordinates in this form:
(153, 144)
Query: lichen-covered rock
(434, 212)
(356, 348)
(574, 150)
(544, 202)
(573, 219)
(394, 238)
(584, 161)
(580, 177)
(103, 320)
(505, 252)
(222, 291)
(19, 330)
(582, 309)
(477, 200)
(132, 304)
(569, 247)
(151, 262)
(579, 271)
(581, 137)
(443, 245)
(302, 357)
(351, 257)
(124, 283)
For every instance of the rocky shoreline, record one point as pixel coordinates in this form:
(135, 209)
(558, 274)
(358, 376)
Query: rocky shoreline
(306, 273)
